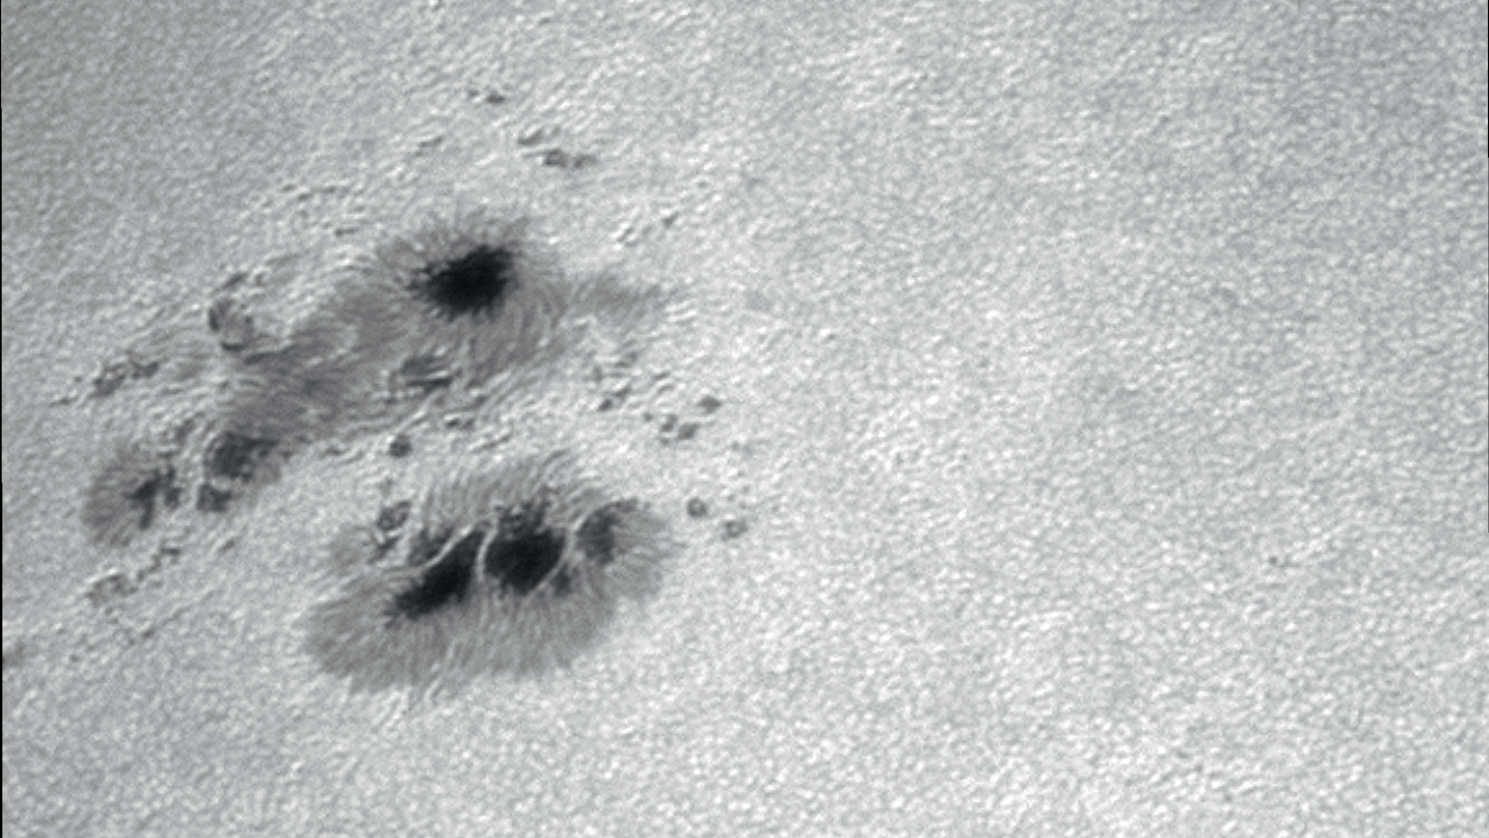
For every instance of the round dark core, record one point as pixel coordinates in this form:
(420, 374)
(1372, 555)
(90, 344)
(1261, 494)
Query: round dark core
(471, 284)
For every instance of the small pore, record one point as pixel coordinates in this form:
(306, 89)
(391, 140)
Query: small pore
(472, 284)
(442, 583)
(524, 551)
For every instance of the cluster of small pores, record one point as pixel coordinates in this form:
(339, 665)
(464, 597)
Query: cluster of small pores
(514, 565)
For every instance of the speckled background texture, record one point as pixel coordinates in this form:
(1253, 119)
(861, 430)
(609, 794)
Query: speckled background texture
(1102, 449)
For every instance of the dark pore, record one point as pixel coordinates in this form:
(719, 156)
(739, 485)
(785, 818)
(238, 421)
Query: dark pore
(443, 582)
(470, 284)
(525, 550)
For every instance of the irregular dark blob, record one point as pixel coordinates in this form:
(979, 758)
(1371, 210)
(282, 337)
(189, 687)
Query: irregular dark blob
(209, 498)
(490, 96)
(112, 586)
(471, 284)
(160, 484)
(113, 376)
(393, 516)
(443, 582)
(560, 159)
(217, 314)
(697, 508)
(687, 431)
(615, 398)
(106, 382)
(237, 455)
(233, 325)
(400, 446)
(597, 531)
(525, 549)
(708, 404)
(170, 493)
